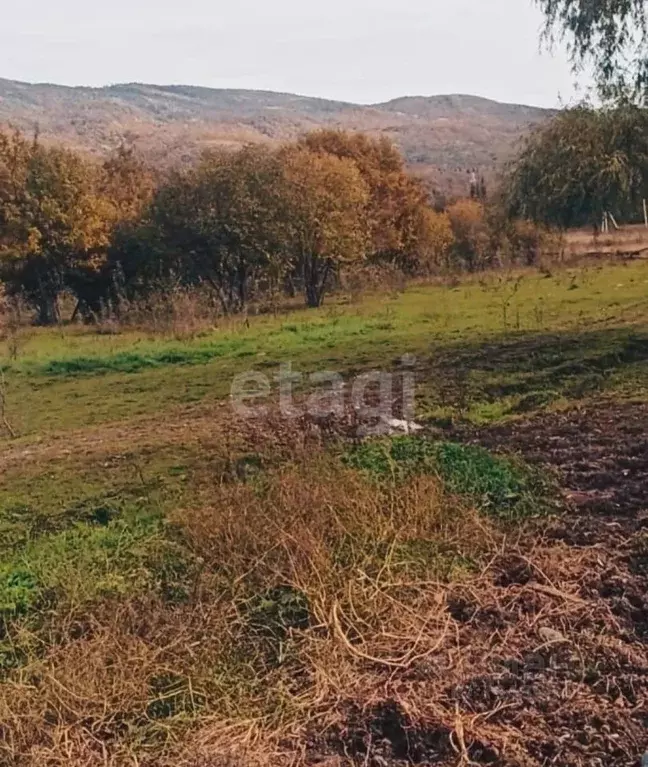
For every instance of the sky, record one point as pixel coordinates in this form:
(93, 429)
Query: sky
(365, 51)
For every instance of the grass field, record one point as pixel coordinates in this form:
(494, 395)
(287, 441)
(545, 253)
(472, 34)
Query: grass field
(74, 377)
(180, 586)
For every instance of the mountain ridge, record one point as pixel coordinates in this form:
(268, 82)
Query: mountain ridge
(441, 135)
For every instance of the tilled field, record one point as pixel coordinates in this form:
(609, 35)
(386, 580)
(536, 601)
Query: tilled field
(547, 662)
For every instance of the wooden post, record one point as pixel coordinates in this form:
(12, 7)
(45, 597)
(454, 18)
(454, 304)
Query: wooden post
(645, 213)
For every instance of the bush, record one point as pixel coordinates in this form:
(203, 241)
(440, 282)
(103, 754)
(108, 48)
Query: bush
(436, 242)
(472, 249)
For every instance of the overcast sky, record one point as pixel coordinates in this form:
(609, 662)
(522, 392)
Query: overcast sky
(357, 50)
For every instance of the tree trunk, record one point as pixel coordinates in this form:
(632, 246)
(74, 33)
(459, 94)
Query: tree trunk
(47, 303)
(220, 292)
(310, 282)
(316, 276)
(289, 286)
(48, 310)
(313, 297)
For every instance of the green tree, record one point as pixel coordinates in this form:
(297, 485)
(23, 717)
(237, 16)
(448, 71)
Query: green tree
(579, 165)
(221, 224)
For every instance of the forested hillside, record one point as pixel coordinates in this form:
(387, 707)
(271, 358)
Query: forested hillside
(441, 136)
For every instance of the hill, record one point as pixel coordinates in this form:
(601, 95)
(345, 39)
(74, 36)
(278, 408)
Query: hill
(441, 136)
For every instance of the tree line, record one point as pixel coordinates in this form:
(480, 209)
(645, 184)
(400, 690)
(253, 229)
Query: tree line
(293, 218)
(297, 217)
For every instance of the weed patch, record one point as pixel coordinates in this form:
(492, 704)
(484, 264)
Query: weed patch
(500, 487)
(88, 562)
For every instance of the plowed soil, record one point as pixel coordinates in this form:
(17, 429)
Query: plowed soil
(549, 663)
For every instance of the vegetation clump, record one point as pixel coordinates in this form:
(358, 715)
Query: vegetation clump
(500, 487)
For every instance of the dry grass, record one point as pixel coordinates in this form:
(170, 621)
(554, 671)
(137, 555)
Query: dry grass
(231, 668)
(181, 313)
(332, 620)
(630, 239)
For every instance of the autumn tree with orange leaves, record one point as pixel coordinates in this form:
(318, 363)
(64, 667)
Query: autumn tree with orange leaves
(327, 225)
(58, 213)
(397, 201)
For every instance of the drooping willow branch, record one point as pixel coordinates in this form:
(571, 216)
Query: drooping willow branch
(609, 35)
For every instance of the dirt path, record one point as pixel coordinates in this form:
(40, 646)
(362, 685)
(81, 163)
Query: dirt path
(214, 429)
(180, 426)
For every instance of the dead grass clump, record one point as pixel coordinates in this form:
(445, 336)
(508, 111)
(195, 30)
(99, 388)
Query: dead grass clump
(368, 566)
(334, 620)
(120, 685)
(80, 702)
(180, 313)
(315, 522)
(368, 279)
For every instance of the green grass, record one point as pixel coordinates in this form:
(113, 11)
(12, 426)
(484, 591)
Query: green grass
(37, 500)
(79, 564)
(494, 347)
(132, 362)
(500, 487)
(86, 562)
(131, 484)
(71, 377)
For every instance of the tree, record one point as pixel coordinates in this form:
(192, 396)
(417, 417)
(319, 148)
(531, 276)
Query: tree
(126, 185)
(579, 165)
(435, 241)
(327, 222)
(221, 224)
(54, 221)
(611, 35)
(396, 199)
(127, 182)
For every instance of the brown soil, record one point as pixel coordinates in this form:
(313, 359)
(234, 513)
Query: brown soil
(549, 664)
(600, 456)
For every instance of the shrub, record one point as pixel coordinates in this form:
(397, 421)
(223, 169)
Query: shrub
(472, 248)
(436, 242)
